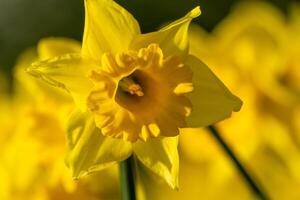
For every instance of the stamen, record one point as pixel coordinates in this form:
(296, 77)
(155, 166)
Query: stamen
(127, 84)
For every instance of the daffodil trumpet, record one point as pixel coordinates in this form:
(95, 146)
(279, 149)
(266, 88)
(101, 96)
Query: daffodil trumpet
(134, 92)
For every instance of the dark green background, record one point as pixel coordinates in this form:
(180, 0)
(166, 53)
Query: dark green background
(24, 22)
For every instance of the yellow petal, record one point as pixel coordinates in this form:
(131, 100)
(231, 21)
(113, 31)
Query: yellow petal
(25, 86)
(28, 88)
(52, 47)
(211, 100)
(172, 39)
(108, 28)
(68, 72)
(89, 150)
(160, 155)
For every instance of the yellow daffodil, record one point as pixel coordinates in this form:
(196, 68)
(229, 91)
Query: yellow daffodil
(201, 174)
(32, 149)
(34, 89)
(265, 43)
(5, 107)
(254, 61)
(134, 91)
(6, 129)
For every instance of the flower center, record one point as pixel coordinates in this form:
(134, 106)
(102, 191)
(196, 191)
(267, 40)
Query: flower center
(129, 85)
(140, 94)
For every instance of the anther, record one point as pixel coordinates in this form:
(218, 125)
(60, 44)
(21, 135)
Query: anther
(127, 84)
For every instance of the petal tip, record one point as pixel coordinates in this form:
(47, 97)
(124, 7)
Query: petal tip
(33, 69)
(75, 178)
(174, 185)
(30, 69)
(196, 12)
(76, 175)
(238, 105)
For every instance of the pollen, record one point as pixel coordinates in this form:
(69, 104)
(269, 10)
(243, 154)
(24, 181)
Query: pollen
(127, 84)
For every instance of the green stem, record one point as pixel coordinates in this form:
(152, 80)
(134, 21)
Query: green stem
(127, 179)
(246, 175)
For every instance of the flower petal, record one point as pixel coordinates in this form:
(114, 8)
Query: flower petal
(31, 89)
(172, 39)
(160, 155)
(108, 28)
(68, 72)
(211, 100)
(89, 150)
(57, 46)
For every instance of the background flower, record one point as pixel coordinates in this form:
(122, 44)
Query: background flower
(256, 47)
(33, 137)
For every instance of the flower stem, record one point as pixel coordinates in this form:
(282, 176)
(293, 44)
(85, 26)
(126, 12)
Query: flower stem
(127, 179)
(252, 184)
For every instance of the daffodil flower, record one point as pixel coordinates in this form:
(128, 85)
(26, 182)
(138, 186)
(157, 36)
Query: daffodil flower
(32, 122)
(134, 91)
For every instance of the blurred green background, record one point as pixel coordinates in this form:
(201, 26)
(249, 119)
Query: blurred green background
(24, 22)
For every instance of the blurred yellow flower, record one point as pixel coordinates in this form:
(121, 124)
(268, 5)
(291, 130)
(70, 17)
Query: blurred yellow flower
(205, 172)
(137, 87)
(255, 47)
(5, 107)
(32, 148)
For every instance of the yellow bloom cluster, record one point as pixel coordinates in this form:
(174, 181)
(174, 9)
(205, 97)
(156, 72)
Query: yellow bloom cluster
(133, 92)
(32, 123)
(255, 50)
(119, 93)
(123, 93)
